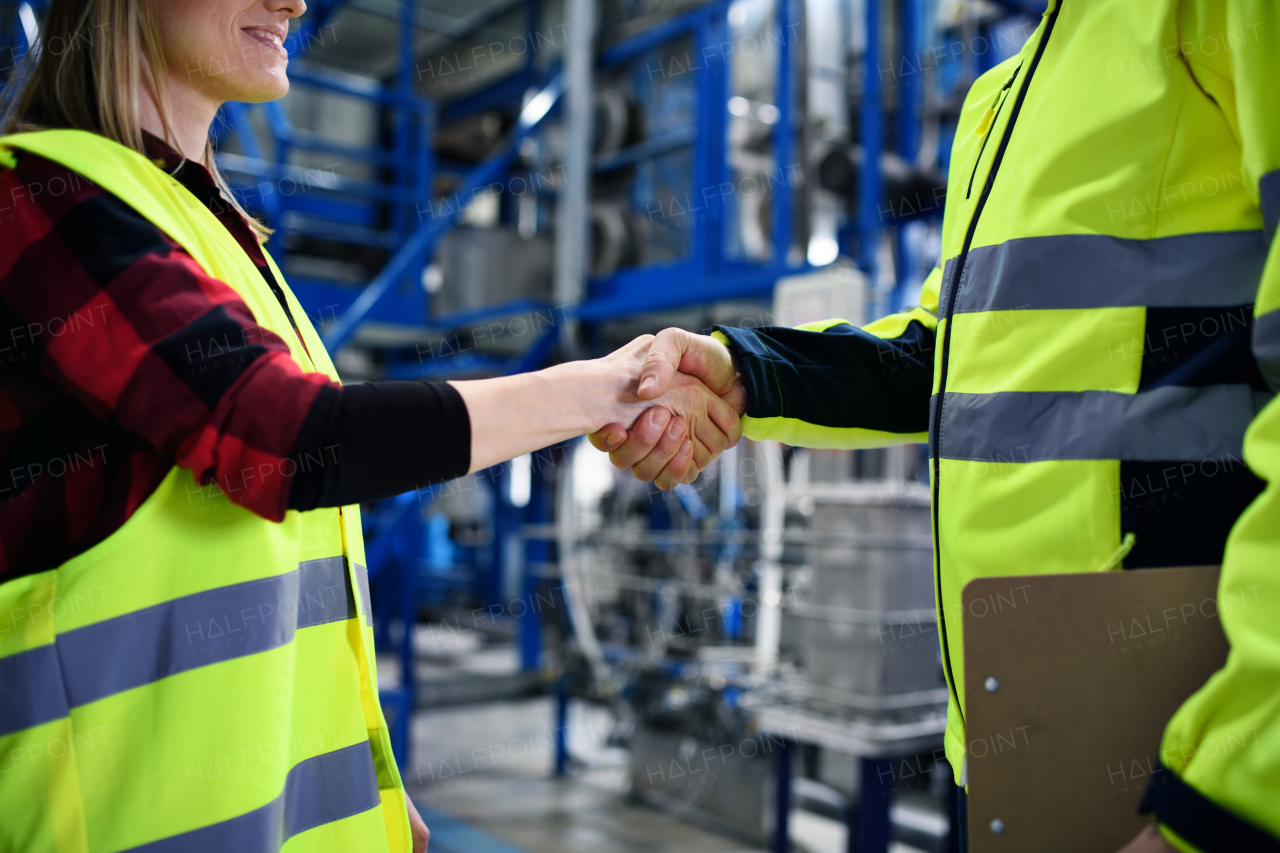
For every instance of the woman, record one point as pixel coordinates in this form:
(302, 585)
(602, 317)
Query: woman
(186, 658)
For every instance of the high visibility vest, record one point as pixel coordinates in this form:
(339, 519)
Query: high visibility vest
(203, 679)
(1109, 229)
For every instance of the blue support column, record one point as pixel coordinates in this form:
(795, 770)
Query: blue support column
(537, 557)
(272, 205)
(871, 126)
(907, 126)
(562, 727)
(710, 33)
(955, 802)
(873, 805)
(910, 79)
(783, 135)
(506, 524)
(403, 221)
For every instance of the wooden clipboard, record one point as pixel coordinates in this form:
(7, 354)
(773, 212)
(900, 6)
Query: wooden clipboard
(1088, 669)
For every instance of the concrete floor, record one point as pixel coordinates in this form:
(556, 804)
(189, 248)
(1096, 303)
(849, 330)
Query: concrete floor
(483, 773)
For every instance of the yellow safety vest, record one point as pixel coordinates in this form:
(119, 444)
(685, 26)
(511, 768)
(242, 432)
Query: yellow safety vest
(1114, 191)
(203, 679)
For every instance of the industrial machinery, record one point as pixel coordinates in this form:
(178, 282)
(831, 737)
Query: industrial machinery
(464, 189)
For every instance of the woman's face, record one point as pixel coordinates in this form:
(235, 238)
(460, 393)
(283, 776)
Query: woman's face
(229, 50)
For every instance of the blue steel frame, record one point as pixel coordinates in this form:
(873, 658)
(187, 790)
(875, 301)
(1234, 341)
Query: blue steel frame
(706, 275)
(342, 208)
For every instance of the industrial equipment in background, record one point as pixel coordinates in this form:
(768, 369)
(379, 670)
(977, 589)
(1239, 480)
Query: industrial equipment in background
(464, 189)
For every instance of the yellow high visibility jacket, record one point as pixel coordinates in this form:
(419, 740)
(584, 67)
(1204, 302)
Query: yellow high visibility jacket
(1094, 363)
(203, 679)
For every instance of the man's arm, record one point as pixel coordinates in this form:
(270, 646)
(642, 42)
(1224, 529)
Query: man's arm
(825, 384)
(831, 384)
(1222, 747)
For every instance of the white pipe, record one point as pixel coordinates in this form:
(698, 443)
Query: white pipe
(574, 592)
(773, 507)
(571, 227)
(30, 28)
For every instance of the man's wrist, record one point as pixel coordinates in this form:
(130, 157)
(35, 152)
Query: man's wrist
(738, 387)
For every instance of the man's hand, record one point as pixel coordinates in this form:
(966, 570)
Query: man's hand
(711, 424)
(653, 449)
(421, 835)
(1149, 841)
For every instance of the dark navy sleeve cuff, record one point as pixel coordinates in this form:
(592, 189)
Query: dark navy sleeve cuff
(1200, 821)
(843, 377)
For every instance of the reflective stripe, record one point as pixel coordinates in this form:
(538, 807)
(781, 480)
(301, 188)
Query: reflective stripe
(1266, 346)
(319, 790)
(1220, 268)
(127, 651)
(1269, 195)
(31, 689)
(1164, 424)
(319, 600)
(366, 603)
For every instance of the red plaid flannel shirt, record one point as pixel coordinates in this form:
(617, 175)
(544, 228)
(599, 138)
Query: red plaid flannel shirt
(119, 358)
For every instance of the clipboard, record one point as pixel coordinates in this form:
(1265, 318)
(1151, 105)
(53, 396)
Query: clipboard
(1069, 683)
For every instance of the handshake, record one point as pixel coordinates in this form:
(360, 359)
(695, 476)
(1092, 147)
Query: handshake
(677, 407)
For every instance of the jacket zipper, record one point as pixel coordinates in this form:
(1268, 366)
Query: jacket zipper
(988, 122)
(936, 419)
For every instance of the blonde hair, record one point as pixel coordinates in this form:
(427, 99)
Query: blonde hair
(87, 73)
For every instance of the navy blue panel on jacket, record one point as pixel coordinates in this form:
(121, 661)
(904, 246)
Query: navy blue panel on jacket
(842, 377)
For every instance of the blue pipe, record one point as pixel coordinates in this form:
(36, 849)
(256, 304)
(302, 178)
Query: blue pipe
(783, 133)
(871, 126)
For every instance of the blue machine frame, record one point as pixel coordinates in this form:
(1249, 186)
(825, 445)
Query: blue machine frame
(342, 208)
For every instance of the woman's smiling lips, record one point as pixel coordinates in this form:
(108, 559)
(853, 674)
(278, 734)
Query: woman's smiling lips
(273, 36)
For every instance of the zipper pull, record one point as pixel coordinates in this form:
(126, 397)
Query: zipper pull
(983, 126)
(989, 117)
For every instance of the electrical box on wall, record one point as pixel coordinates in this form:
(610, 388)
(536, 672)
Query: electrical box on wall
(833, 291)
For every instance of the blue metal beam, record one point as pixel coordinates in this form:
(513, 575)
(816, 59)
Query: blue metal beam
(415, 247)
(656, 145)
(871, 127)
(783, 134)
(309, 27)
(658, 35)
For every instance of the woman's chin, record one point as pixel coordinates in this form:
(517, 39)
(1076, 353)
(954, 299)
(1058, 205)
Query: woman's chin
(261, 88)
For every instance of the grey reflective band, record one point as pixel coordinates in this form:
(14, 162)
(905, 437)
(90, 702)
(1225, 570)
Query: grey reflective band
(319, 790)
(366, 603)
(31, 689)
(1269, 195)
(127, 651)
(324, 592)
(1266, 347)
(1208, 269)
(1164, 424)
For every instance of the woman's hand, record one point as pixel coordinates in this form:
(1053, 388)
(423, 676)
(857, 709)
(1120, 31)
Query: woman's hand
(513, 415)
(421, 835)
(689, 425)
(674, 358)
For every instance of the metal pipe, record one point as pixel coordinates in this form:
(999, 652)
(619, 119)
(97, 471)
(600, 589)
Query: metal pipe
(571, 227)
(571, 577)
(661, 538)
(769, 569)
